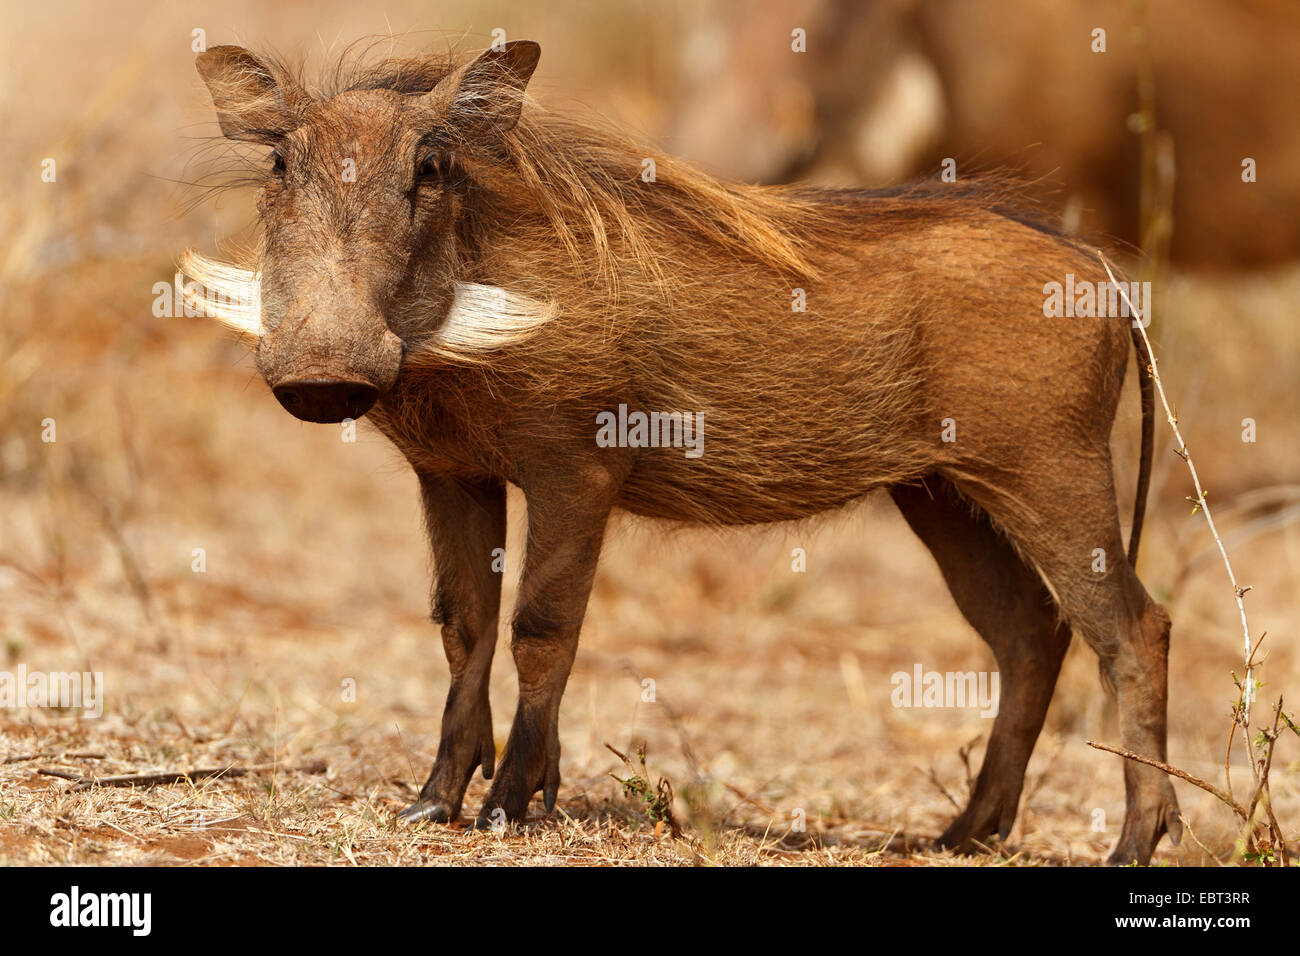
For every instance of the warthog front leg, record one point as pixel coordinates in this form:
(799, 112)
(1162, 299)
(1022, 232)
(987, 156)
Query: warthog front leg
(466, 523)
(566, 524)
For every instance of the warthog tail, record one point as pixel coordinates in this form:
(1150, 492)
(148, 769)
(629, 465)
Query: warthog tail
(1146, 385)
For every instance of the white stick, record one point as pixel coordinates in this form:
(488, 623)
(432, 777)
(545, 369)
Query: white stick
(1138, 322)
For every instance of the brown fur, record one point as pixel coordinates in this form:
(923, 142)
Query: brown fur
(923, 303)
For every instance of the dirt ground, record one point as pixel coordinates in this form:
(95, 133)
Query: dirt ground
(302, 649)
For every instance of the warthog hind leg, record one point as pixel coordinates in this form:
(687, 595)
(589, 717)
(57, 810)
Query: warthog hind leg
(1070, 531)
(1005, 601)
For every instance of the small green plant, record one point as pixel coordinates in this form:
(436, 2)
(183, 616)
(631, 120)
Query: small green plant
(656, 800)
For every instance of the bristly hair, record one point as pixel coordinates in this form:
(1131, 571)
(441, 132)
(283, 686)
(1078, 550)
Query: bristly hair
(584, 176)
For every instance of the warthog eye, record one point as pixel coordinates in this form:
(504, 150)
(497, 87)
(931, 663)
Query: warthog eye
(436, 166)
(277, 162)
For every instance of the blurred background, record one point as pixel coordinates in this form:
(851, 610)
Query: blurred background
(229, 568)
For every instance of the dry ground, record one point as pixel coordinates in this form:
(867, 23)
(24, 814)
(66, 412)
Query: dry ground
(772, 688)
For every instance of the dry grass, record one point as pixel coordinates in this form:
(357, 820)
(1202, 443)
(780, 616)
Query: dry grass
(772, 687)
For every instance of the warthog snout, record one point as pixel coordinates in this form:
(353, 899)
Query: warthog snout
(326, 400)
(332, 365)
(328, 369)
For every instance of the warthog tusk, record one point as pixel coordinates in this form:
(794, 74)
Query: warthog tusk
(482, 318)
(225, 292)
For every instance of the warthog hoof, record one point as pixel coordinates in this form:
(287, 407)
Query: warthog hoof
(1143, 829)
(424, 809)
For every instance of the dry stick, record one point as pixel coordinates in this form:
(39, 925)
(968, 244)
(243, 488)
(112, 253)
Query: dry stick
(1227, 751)
(1181, 452)
(934, 779)
(1266, 791)
(1181, 774)
(751, 800)
(1195, 839)
(183, 776)
(1242, 715)
(20, 758)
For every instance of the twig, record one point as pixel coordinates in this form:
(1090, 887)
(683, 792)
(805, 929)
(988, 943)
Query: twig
(1174, 771)
(1260, 765)
(751, 800)
(64, 774)
(1263, 790)
(964, 753)
(934, 779)
(123, 831)
(1227, 751)
(1140, 324)
(183, 776)
(20, 758)
(1197, 840)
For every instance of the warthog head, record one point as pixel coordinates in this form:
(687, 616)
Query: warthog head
(363, 198)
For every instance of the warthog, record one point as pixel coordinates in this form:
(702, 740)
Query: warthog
(490, 281)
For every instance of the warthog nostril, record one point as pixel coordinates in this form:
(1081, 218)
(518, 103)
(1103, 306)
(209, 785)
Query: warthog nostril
(326, 399)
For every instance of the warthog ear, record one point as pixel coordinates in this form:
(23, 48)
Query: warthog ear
(251, 106)
(486, 96)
